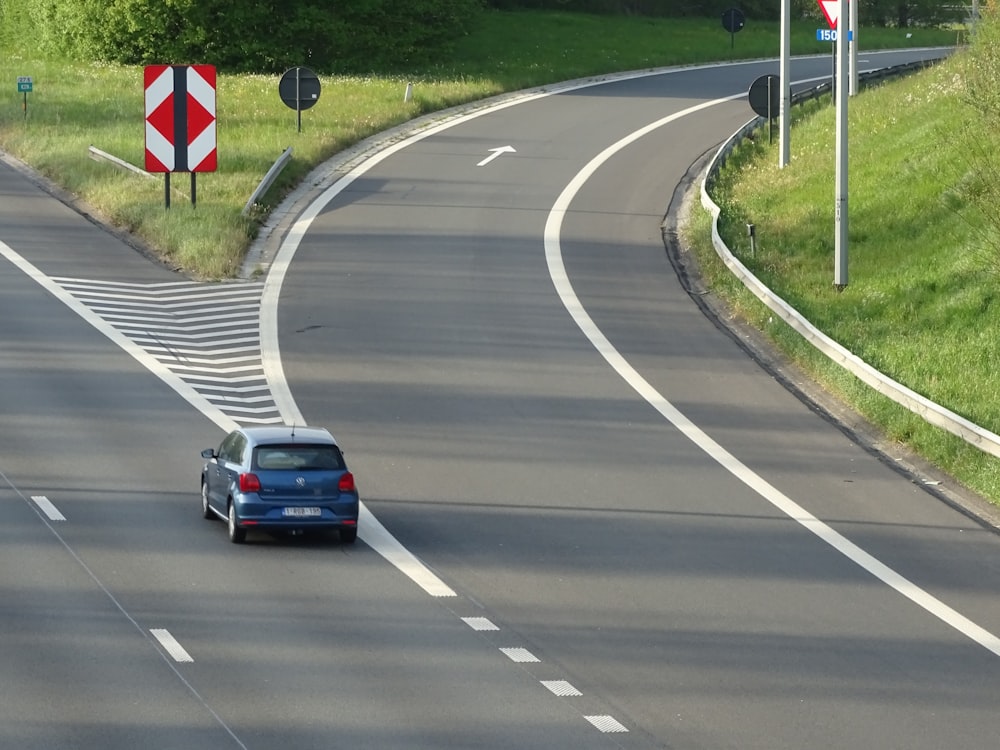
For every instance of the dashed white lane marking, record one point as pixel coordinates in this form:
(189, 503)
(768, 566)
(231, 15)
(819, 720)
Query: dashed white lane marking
(479, 623)
(46, 506)
(561, 688)
(606, 723)
(742, 472)
(170, 644)
(520, 655)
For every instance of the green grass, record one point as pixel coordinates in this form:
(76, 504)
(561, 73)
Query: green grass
(921, 305)
(531, 48)
(76, 105)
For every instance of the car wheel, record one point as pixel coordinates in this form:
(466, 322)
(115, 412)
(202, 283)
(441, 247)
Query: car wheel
(348, 535)
(236, 534)
(206, 509)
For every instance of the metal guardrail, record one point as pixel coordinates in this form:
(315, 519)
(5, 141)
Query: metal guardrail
(98, 155)
(269, 178)
(985, 440)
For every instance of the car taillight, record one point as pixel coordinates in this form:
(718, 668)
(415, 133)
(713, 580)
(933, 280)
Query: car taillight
(249, 483)
(346, 482)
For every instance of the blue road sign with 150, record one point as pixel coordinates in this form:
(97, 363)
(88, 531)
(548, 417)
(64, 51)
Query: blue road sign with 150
(830, 35)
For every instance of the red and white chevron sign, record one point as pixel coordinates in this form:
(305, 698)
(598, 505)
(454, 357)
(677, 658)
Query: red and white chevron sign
(180, 118)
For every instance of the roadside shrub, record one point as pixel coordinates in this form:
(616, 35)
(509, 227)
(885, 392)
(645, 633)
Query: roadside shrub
(349, 36)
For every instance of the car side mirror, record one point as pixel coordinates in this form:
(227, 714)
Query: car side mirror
(209, 453)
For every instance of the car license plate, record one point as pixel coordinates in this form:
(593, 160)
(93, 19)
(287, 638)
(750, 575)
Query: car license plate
(301, 512)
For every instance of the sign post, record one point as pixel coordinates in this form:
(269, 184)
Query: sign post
(299, 88)
(834, 10)
(765, 96)
(831, 9)
(732, 21)
(180, 122)
(24, 86)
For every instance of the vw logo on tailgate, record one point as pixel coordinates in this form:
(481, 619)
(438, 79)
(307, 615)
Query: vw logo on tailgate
(300, 481)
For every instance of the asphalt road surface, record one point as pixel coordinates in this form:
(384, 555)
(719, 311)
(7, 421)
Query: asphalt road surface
(615, 529)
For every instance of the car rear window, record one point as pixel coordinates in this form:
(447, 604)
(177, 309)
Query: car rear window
(298, 457)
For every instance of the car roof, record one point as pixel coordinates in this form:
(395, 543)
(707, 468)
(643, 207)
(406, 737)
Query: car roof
(288, 434)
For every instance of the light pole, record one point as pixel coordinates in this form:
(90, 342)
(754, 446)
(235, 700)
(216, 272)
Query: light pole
(783, 78)
(853, 39)
(840, 221)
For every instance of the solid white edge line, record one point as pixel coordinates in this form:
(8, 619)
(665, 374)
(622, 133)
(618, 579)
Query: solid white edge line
(376, 536)
(48, 508)
(557, 271)
(171, 645)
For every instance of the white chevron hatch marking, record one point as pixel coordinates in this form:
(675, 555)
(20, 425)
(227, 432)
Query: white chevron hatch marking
(207, 334)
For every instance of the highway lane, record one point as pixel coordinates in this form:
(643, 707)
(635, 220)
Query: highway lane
(278, 643)
(74, 670)
(419, 317)
(282, 654)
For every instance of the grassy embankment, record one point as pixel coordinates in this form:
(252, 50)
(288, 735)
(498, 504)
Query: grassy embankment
(76, 105)
(921, 303)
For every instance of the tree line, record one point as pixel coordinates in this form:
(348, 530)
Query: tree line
(340, 36)
(902, 13)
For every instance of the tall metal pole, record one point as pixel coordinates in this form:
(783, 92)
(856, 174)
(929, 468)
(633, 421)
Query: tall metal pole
(840, 221)
(853, 40)
(784, 66)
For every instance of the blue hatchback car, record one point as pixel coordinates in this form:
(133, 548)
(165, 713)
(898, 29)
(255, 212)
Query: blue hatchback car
(290, 479)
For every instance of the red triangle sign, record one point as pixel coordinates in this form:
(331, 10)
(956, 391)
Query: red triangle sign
(831, 9)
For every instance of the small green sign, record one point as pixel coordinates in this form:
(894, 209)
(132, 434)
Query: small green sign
(24, 84)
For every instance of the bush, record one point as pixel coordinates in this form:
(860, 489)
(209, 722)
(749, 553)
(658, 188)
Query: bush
(360, 36)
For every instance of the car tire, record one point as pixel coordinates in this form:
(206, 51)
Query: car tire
(206, 509)
(348, 535)
(236, 534)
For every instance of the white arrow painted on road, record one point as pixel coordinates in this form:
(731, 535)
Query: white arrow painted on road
(496, 153)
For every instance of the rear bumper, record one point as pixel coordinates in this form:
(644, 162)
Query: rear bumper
(258, 515)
